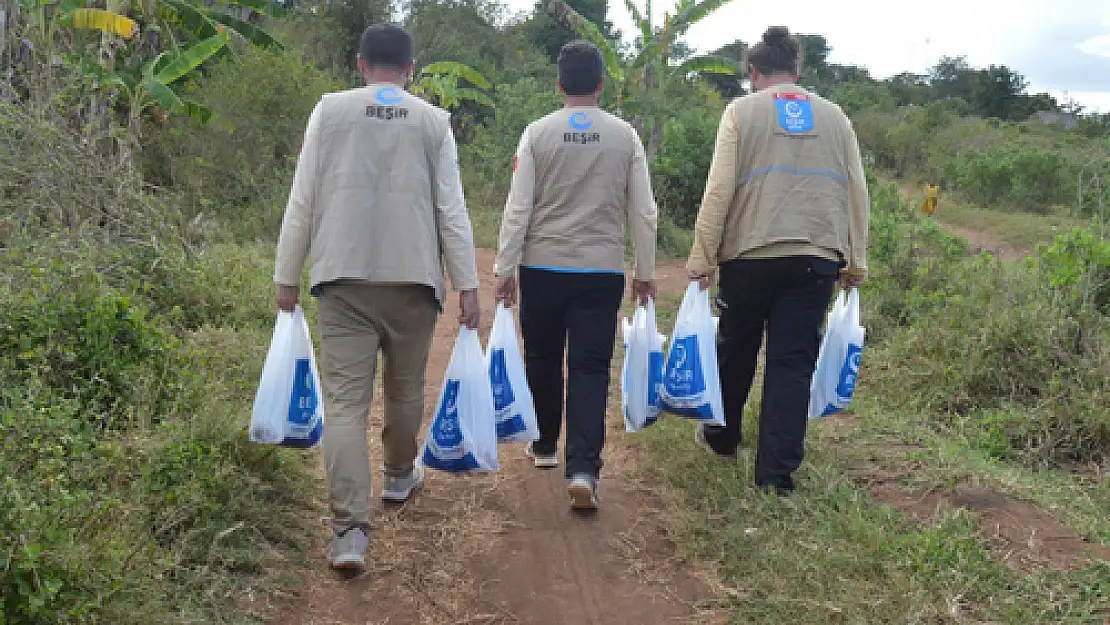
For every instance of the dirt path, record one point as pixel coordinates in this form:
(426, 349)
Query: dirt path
(505, 547)
(986, 242)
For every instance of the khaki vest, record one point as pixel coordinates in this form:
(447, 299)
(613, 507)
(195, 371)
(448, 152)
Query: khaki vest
(583, 159)
(792, 173)
(375, 217)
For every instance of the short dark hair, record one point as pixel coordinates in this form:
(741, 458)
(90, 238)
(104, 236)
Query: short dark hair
(386, 45)
(581, 67)
(778, 52)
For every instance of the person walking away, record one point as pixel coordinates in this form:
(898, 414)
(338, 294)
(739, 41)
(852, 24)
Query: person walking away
(784, 214)
(578, 176)
(375, 198)
(932, 196)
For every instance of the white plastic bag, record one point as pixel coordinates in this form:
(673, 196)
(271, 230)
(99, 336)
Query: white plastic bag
(642, 374)
(289, 408)
(463, 433)
(512, 399)
(691, 382)
(834, 379)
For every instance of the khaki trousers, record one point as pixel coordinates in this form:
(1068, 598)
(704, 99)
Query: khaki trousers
(357, 321)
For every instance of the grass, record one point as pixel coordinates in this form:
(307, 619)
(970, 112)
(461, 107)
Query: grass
(835, 554)
(1019, 229)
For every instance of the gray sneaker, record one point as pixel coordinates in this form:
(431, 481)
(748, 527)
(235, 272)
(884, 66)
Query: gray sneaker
(583, 492)
(699, 438)
(399, 489)
(541, 461)
(349, 550)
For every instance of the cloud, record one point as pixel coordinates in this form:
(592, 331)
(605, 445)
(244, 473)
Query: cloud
(1098, 46)
(1058, 45)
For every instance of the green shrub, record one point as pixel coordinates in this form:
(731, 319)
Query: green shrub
(1017, 357)
(1077, 264)
(239, 166)
(680, 169)
(1030, 179)
(130, 346)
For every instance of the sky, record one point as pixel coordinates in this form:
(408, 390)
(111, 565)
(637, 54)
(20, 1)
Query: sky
(1060, 46)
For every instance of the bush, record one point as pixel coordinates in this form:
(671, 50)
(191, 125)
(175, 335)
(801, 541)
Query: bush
(130, 493)
(681, 167)
(1029, 179)
(239, 166)
(1016, 357)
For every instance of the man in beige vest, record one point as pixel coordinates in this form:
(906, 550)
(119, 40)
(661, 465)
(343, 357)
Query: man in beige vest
(580, 174)
(784, 214)
(377, 207)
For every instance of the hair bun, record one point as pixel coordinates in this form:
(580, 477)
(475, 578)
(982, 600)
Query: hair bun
(775, 36)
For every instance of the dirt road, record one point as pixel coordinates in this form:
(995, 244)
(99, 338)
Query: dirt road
(505, 547)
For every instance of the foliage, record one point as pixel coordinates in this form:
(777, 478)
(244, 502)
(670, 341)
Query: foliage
(550, 34)
(445, 84)
(972, 337)
(649, 72)
(1030, 179)
(682, 164)
(130, 493)
(239, 170)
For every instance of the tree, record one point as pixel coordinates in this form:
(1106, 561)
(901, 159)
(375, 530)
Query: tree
(815, 54)
(952, 77)
(909, 89)
(550, 35)
(350, 18)
(729, 85)
(997, 92)
(640, 81)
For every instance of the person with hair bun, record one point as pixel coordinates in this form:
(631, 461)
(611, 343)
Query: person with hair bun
(784, 215)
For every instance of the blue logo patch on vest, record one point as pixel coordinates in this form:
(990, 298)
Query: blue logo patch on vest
(795, 112)
(580, 121)
(388, 95)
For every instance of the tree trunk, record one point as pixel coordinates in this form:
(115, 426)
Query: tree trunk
(656, 139)
(9, 44)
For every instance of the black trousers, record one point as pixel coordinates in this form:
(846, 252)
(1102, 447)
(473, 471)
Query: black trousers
(575, 312)
(788, 298)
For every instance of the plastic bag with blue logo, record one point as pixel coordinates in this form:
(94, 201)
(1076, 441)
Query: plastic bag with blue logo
(463, 434)
(691, 382)
(834, 379)
(288, 408)
(512, 399)
(642, 374)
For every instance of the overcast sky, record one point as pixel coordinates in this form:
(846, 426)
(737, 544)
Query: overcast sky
(1058, 45)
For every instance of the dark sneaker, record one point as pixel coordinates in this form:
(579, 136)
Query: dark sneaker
(542, 461)
(699, 438)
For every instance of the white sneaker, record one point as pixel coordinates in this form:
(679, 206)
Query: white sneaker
(399, 489)
(349, 550)
(583, 492)
(542, 461)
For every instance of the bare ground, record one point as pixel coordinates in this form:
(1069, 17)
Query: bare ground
(505, 547)
(1019, 533)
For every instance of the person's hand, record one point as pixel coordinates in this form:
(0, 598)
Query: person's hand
(849, 280)
(469, 313)
(704, 281)
(287, 297)
(642, 290)
(506, 291)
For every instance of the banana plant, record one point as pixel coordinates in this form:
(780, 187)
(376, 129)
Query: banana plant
(641, 79)
(204, 22)
(442, 84)
(150, 87)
